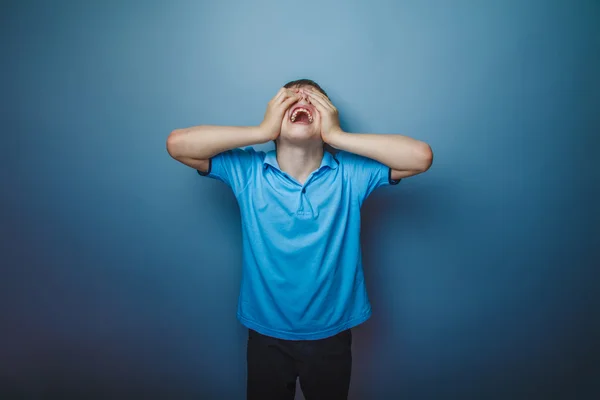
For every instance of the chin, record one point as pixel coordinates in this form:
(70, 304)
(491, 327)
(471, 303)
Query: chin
(300, 133)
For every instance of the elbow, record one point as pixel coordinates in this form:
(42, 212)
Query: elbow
(174, 143)
(425, 157)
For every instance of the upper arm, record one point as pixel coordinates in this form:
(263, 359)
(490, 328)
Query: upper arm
(233, 167)
(176, 147)
(399, 174)
(420, 164)
(199, 165)
(365, 174)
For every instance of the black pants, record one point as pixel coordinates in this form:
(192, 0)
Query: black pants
(322, 366)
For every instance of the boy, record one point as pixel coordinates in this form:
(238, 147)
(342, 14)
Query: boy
(302, 280)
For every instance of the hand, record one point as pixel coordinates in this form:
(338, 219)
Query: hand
(278, 105)
(330, 122)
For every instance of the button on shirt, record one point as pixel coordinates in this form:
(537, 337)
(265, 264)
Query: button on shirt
(302, 275)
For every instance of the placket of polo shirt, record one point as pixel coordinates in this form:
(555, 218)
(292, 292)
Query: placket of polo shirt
(303, 198)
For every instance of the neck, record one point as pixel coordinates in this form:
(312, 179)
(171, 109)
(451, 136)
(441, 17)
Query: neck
(299, 161)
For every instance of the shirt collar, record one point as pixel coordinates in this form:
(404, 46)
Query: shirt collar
(327, 161)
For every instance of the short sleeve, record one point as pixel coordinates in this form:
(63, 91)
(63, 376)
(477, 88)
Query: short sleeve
(365, 174)
(233, 167)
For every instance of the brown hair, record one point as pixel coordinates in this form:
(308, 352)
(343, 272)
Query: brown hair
(304, 82)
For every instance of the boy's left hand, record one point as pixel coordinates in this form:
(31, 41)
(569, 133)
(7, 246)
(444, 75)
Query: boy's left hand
(330, 122)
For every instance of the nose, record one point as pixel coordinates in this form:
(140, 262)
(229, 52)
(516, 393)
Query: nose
(304, 97)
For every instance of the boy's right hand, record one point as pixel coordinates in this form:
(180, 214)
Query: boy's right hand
(271, 124)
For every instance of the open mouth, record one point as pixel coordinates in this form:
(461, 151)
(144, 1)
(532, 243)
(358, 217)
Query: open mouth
(301, 115)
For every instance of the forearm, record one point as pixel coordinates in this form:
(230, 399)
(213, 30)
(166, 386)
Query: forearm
(398, 152)
(205, 141)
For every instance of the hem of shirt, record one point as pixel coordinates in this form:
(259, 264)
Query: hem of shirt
(287, 335)
(207, 173)
(392, 181)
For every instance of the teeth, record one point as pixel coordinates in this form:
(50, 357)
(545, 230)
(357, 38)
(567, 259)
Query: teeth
(295, 114)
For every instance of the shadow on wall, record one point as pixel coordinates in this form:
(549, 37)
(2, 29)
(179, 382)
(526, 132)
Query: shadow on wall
(406, 211)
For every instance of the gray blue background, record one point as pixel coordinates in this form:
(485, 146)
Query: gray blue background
(120, 268)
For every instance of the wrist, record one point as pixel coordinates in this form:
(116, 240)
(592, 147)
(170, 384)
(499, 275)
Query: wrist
(264, 134)
(335, 137)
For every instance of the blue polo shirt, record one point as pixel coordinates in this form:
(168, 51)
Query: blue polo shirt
(302, 275)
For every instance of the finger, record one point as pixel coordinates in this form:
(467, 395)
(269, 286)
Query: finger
(282, 93)
(321, 97)
(291, 100)
(314, 91)
(287, 94)
(320, 104)
(279, 94)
